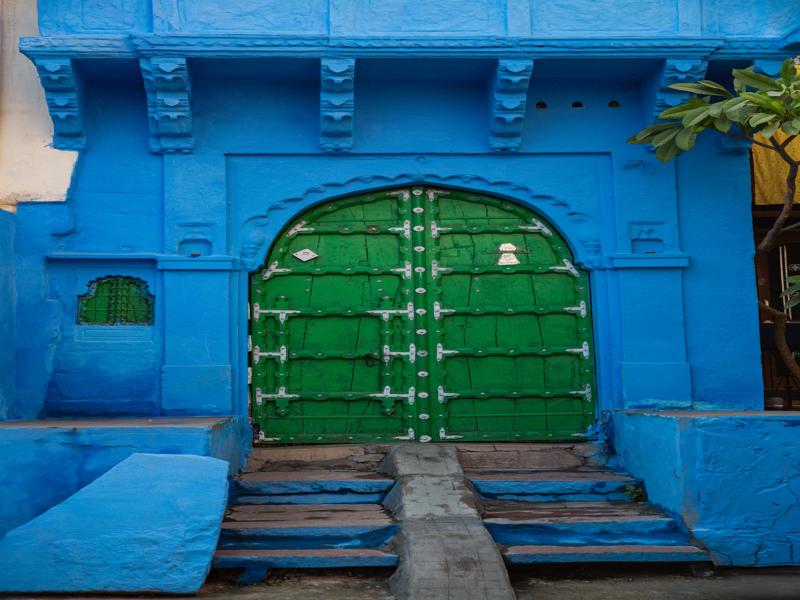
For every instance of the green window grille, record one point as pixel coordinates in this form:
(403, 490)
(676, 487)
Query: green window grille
(116, 300)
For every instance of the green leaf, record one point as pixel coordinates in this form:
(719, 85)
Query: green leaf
(765, 102)
(792, 289)
(788, 71)
(667, 152)
(695, 116)
(685, 139)
(722, 123)
(703, 87)
(665, 136)
(792, 302)
(760, 118)
(791, 127)
(758, 81)
(770, 130)
(646, 134)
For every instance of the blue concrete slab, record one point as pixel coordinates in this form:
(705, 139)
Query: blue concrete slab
(150, 524)
(43, 462)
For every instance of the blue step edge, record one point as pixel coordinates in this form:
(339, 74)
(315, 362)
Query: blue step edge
(530, 555)
(363, 536)
(257, 563)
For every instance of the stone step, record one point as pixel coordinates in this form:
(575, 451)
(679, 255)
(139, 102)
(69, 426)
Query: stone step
(556, 486)
(477, 457)
(307, 526)
(310, 487)
(282, 512)
(633, 553)
(654, 529)
(257, 563)
(364, 457)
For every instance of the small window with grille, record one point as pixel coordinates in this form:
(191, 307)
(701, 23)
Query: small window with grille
(116, 300)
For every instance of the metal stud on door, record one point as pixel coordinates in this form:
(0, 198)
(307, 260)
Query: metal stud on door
(420, 314)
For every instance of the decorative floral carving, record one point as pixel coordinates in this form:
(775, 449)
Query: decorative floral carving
(677, 70)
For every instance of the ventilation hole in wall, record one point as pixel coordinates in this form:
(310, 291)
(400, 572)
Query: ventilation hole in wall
(577, 104)
(541, 105)
(613, 104)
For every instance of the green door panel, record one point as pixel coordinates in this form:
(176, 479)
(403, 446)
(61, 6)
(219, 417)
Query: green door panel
(420, 314)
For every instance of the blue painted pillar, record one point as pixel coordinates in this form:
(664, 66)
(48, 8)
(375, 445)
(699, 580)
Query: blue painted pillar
(649, 262)
(197, 370)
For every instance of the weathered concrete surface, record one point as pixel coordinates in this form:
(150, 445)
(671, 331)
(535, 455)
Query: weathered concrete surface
(148, 525)
(608, 583)
(703, 456)
(445, 551)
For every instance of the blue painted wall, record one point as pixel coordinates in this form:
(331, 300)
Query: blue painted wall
(727, 475)
(8, 347)
(131, 212)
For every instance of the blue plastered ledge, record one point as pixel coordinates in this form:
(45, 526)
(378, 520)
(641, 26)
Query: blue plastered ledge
(150, 524)
(45, 461)
(726, 474)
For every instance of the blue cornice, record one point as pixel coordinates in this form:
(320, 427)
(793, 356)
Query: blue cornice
(233, 45)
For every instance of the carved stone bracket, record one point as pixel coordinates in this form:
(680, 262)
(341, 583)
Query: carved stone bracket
(169, 90)
(337, 104)
(508, 103)
(676, 70)
(62, 92)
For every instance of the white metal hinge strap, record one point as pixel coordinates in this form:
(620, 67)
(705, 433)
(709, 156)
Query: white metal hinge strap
(537, 226)
(405, 270)
(436, 269)
(387, 393)
(578, 310)
(282, 314)
(405, 229)
(438, 311)
(299, 228)
(387, 313)
(582, 350)
(281, 354)
(273, 269)
(260, 396)
(432, 192)
(586, 392)
(408, 437)
(443, 435)
(388, 353)
(568, 267)
(443, 396)
(436, 230)
(441, 352)
(404, 195)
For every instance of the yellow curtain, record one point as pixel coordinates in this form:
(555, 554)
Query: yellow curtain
(769, 172)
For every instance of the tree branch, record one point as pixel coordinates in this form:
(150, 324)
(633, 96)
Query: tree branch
(770, 239)
(741, 136)
(779, 319)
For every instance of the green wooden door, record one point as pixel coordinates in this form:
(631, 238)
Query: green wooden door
(420, 314)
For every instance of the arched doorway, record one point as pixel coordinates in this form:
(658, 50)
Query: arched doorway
(420, 314)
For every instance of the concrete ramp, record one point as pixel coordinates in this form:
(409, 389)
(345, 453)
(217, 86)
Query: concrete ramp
(150, 524)
(446, 553)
